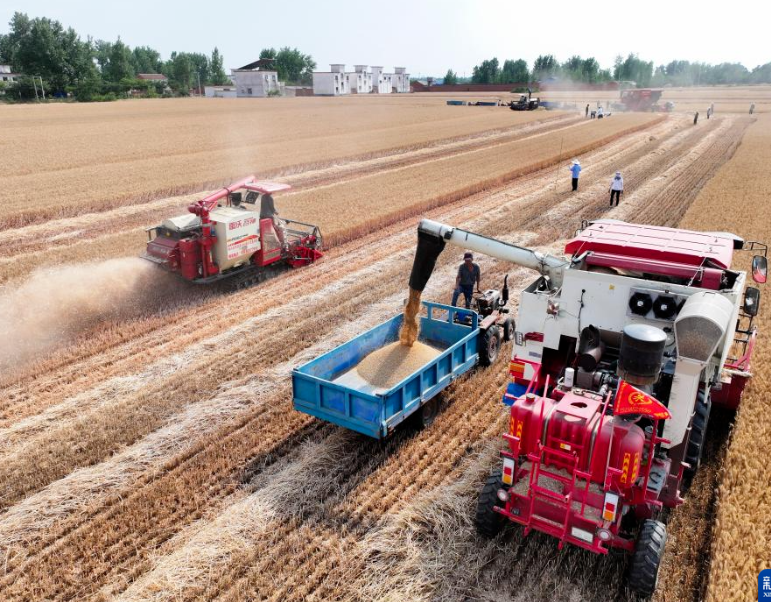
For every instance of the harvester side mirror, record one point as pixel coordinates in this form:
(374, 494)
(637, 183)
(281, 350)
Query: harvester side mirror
(759, 269)
(751, 301)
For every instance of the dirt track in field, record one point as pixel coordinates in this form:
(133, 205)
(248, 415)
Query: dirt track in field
(166, 441)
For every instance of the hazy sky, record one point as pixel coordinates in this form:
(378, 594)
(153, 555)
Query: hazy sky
(426, 36)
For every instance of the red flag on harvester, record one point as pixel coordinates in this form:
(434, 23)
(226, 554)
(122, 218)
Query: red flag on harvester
(633, 401)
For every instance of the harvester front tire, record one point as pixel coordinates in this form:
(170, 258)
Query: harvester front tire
(644, 566)
(698, 435)
(488, 522)
(490, 345)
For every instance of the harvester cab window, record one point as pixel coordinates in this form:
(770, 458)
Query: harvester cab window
(235, 199)
(251, 197)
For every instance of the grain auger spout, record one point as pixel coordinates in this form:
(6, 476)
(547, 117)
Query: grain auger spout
(432, 237)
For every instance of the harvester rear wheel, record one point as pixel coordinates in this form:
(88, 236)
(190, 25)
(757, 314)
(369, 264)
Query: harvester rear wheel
(490, 344)
(698, 432)
(488, 522)
(644, 566)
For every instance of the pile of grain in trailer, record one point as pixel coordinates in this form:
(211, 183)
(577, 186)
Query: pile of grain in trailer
(393, 363)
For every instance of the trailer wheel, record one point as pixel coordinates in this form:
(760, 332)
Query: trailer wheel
(698, 432)
(428, 413)
(488, 522)
(490, 344)
(644, 566)
(508, 329)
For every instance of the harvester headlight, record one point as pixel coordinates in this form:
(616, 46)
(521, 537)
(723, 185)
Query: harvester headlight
(604, 534)
(503, 495)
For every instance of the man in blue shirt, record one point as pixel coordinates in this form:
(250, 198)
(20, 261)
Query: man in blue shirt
(468, 275)
(575, 170)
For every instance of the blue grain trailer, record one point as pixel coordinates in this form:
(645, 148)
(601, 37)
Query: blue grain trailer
(329, 388)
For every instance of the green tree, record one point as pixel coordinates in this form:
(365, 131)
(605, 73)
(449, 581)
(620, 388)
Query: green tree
(545, 66)
(146, 60)
(486, 73)
(268, 53)
(217, 75)
(514, 72)
(450, 78)
(761, 74)
(181, 72)
(199, 68)
(120, 64)
(42, 47)
(292, 65)
(633, 69)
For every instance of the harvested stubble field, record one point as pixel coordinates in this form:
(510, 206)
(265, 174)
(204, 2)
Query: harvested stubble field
(150, 452)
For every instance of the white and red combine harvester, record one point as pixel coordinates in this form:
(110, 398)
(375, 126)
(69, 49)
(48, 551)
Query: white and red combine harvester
(621, 349)
(233, 233)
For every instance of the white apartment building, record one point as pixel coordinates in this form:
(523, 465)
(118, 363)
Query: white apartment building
(256, 80)
(401, 80)
(335, 82)
(381, 82)
(360, 80)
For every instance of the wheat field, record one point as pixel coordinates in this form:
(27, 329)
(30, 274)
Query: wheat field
(148, 448)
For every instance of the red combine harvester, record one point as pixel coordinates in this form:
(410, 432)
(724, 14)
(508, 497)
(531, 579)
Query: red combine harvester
(233, 233)
(644, 99)
(621, 348)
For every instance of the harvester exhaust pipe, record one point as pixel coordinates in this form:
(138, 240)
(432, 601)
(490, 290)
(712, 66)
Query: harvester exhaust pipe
(547, 265)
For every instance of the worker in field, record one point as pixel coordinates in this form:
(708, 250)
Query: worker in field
(587, 109)
(600, 113)
(575, 171)
(616, 188)
(469, 274)
(268, 211)
(752, 108)
(709, 112)
(696, 118)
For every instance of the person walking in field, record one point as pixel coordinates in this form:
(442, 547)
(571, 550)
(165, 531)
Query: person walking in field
(616, 188)
(696, 118)
(575, 171)
(752, 108)
(587, 110)
(469, 274)
(709, 112)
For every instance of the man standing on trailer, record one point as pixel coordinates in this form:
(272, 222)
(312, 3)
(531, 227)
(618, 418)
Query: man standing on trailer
(469, 274)
(616, 188)
(575, 171)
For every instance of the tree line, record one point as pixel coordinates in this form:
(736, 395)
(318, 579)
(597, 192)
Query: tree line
(96, 70)
(629, 68)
